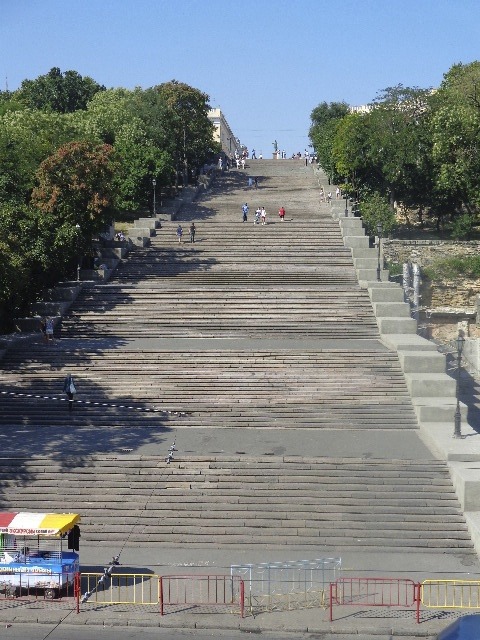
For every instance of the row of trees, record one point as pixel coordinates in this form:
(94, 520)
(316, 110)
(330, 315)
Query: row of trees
(413, 149)
(72, 154)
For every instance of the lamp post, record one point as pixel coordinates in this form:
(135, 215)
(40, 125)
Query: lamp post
(154, 182)
(346, 205)
(457, 431)
(77, 227)
(379, 233)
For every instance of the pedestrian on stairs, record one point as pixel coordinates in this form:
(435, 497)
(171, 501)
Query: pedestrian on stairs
(49, 329)
(43, 329)
(192, 232)
(70, 390)
(263, 215)
(245, 212)
(281, 213)
(179, 233)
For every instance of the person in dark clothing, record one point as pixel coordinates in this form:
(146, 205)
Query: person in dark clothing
(70, 390)
(192, 232)
(43, 329)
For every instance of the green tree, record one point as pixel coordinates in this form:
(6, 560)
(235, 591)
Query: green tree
(456, 140)
(15, 271)
(57, 91)
(375, 210)
(26, 138)
(387, 149)
(184, 130)
(30, 260)
(76, 186)
(9, 102)
(111, 117)
(325, 119)
(350, 152)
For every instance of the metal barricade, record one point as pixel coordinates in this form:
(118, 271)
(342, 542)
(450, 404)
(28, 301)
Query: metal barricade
(122, 588)
(373, 592)
(200, 590)
(297, 584)
(450, 594)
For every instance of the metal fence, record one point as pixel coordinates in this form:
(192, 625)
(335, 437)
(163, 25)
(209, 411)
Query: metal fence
(373, 592)
(122, 588)
(290, 585)
(166, 593)
(202, 591)
(450, 594)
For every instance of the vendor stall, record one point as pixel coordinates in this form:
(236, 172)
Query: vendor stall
(38, 552)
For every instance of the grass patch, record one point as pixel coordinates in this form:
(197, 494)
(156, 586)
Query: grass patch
(394, 268)
(451, 268)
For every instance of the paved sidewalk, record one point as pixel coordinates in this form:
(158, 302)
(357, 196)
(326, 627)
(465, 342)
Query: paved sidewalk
(380, 622)
(348, 622)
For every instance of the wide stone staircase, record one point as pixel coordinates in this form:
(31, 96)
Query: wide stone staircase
(249, 328)
(334, 504)
(324, 388)
(211, 288)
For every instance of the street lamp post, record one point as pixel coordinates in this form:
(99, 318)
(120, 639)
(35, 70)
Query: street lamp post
(379, 233)
(77, 227)
(154, 182)
(457, 431)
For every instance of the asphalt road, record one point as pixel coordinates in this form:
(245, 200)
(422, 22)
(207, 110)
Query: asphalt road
(74, 632)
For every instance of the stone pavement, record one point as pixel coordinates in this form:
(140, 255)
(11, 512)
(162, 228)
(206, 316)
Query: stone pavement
(254, 344)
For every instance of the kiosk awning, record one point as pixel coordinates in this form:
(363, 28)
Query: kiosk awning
(32, 524)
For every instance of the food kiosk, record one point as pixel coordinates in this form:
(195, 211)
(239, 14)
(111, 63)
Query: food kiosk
(38, 552)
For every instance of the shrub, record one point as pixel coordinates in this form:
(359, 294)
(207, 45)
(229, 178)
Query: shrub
(451, 268)
(462, 227)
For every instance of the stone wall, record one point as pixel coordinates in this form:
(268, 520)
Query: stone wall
(458, 293)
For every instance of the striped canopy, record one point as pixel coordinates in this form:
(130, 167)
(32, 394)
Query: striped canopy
(32, 524)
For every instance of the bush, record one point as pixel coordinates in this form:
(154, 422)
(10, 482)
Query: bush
(451, 268)
(462, 227)
(394, 268)
(375, 210)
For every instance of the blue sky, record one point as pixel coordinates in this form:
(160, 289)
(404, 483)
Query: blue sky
(265, 63)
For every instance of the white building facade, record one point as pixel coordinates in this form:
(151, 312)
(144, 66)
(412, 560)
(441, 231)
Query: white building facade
(223, 133)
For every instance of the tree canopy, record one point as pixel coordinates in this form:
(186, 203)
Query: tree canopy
(57, 91)
(415, 148)
(74, 153)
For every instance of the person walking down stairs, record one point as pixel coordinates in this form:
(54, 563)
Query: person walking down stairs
(193, 228)
(70, 390)
(179, 233)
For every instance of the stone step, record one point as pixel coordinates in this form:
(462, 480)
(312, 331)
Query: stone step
(282, 281)
(202, 500)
